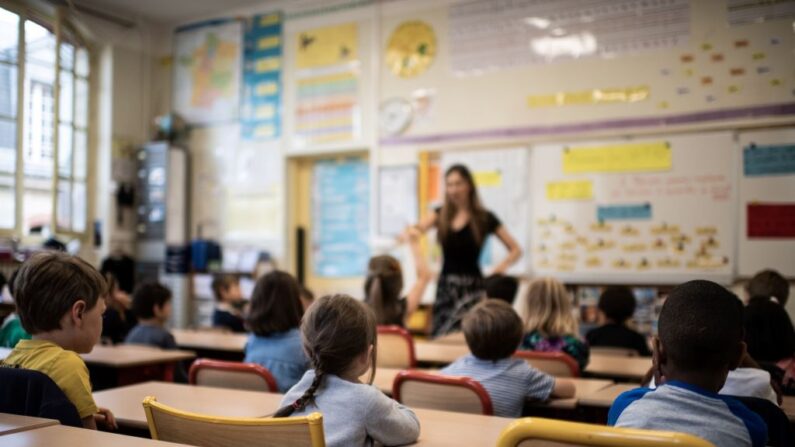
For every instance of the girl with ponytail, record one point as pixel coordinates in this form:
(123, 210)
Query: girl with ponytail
(339, 337)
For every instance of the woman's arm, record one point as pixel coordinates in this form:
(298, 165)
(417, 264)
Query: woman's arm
(427, 222)
(514, 252)
(423, 272)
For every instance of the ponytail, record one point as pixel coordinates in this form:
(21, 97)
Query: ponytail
(382, 289)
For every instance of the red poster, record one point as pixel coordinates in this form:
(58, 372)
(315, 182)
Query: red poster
(771, 220)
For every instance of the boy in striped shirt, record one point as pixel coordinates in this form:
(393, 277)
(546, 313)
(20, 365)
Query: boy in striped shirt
(493, 331)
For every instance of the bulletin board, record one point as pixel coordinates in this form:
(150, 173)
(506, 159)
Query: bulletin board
(767, 202)
(653, 209)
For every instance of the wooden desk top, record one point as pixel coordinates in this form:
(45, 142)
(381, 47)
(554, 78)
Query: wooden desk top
(439, 353)
(632, 368)
(216, 341)
(63, 436)
(12, 423)
(789, 407)
(125, 356)
(605, 396)
(444, 428)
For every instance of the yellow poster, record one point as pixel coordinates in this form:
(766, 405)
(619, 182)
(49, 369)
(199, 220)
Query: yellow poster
(488, 178)
(331, 45)
(630, 157)
(570, 190)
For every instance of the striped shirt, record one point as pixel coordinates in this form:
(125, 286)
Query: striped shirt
(508, 381)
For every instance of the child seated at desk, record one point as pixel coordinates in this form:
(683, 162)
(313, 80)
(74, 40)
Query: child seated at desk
(152, 306)
(493, 330)
(700, 340)
(616, 306)
(60, 300)
(228, 310)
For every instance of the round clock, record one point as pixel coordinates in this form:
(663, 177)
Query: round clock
(395, 116)
(411, 49)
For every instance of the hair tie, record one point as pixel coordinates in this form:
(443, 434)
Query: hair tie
(296, 406)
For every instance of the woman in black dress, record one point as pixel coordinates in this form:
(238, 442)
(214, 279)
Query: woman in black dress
(463, 225)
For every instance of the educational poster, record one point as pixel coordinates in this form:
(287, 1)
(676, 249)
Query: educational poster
(742, 12)
(262, 85)
(634, 209)
(207, 71)
(495, 34)
(327, 86)
(340, 217)
(398, 206)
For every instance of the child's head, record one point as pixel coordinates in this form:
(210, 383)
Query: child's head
(492, 330)
(152, 301)
(617, 303)
(768, 331)
(57, 292)
(307, 298)
(501, 287)
(226, 288)
(275, 304)
(548, 308)
(770, 284)
(700, 333)
(382, 288)
(339, 337)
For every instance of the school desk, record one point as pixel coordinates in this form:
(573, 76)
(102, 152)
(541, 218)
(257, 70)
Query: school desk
(619, 368)
(433, 352)
(63, 436)
(112, 366)
(13, 423)
(604, 398)
(212, 344)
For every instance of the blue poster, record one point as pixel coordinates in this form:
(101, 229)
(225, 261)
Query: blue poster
(340, 217)
(769, 160)
(260, 117)
(635, 211)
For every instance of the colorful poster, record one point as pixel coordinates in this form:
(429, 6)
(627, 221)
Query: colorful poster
(638, 211)
(771, 220)
(629, 157)
(340, 217)
(207, 71)
(769, 160)
(262, 85)
(327, 90)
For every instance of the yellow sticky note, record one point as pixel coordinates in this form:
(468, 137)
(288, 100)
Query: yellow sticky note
(268, 64)
(270, 19)
(488, 178)
(570, 190)
(630, 157)
(266, 88)
(758, 56)
(265, 112)
(734, 88)
(327, 46)
(265, 131)
(268, 42)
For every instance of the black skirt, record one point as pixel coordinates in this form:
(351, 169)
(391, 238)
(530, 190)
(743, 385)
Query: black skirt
(455, 295)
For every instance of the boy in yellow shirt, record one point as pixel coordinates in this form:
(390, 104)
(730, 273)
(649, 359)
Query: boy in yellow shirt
(60, 303)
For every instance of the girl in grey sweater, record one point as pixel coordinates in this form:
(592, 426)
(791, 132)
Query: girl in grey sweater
(339, 337)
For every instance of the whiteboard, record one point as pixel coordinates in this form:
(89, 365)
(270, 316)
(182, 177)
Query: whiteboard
(686, 232)
(501, 176)
(757, 254)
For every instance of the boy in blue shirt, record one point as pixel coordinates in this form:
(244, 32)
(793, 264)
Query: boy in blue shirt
(493, 331)
(700, 340)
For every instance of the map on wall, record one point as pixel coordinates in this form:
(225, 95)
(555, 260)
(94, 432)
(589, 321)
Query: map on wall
(207, 71)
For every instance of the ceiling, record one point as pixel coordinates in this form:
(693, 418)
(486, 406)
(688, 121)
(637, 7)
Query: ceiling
(164, 11)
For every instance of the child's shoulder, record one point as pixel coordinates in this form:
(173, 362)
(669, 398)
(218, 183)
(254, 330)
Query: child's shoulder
(624, 400)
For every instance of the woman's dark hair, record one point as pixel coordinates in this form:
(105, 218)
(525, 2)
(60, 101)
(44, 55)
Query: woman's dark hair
(335, 330)
(275, 304)
(479, 217)
(617, 303)
(768, 330)
(147, 296)
(382, 289)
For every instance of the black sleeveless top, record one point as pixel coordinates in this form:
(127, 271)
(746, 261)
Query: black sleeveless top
(460, 250)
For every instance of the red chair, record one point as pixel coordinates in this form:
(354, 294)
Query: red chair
(558, 364)
(395, 348)
(237, 375)
(439, 392)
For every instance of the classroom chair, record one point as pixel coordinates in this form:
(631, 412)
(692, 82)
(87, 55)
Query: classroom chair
(779, 432)
(528, 432)
(237, 375)
(173, 425)
(395, 348)
(31, 393)
(439, 392)
(615, 352)
(558, 364)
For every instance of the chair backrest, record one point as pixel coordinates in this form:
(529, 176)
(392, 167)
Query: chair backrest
(558, 364)
(616, 352)
(439, 392)
(31, 393)
(779, 430)
(173, 425)
(529, 432)
(395, 348)
(223, 374)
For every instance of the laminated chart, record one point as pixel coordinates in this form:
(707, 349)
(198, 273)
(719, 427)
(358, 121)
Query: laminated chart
(261, 111)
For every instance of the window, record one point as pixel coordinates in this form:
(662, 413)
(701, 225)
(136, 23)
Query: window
(43, 170)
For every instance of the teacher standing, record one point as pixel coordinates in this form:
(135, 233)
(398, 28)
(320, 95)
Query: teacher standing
(462, 225)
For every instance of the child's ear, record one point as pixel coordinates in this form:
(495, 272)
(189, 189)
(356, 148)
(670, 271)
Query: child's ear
(659, 359)
(77, 312)
(738, 356)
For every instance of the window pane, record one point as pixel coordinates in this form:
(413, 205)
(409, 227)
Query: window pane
(81, 65)
(79, 207)
(38, 147)
(9, 32)
(67, 55)
(7, 201)
(67, 96)
(39, 44)
(81, 149)
(65, 150)
(8, 146)
(81, 102)
(8, 91)
(37, 200)
(64, 205)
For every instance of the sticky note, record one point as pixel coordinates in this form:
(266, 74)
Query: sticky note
(268, 64)
(270, 19)
(737, 71)
(663, 105)
(633, 211)
(769, 160)
(706, 46)
(741, 43)
(629, 157)
(706, 80)
(488, 178)
(734, 88)
(717, 57)
(686, 58)
(266, 89)
(688, 72)
(758, 56)
(775, 82)
(268, 42)
(570, 190)
(266, 111)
